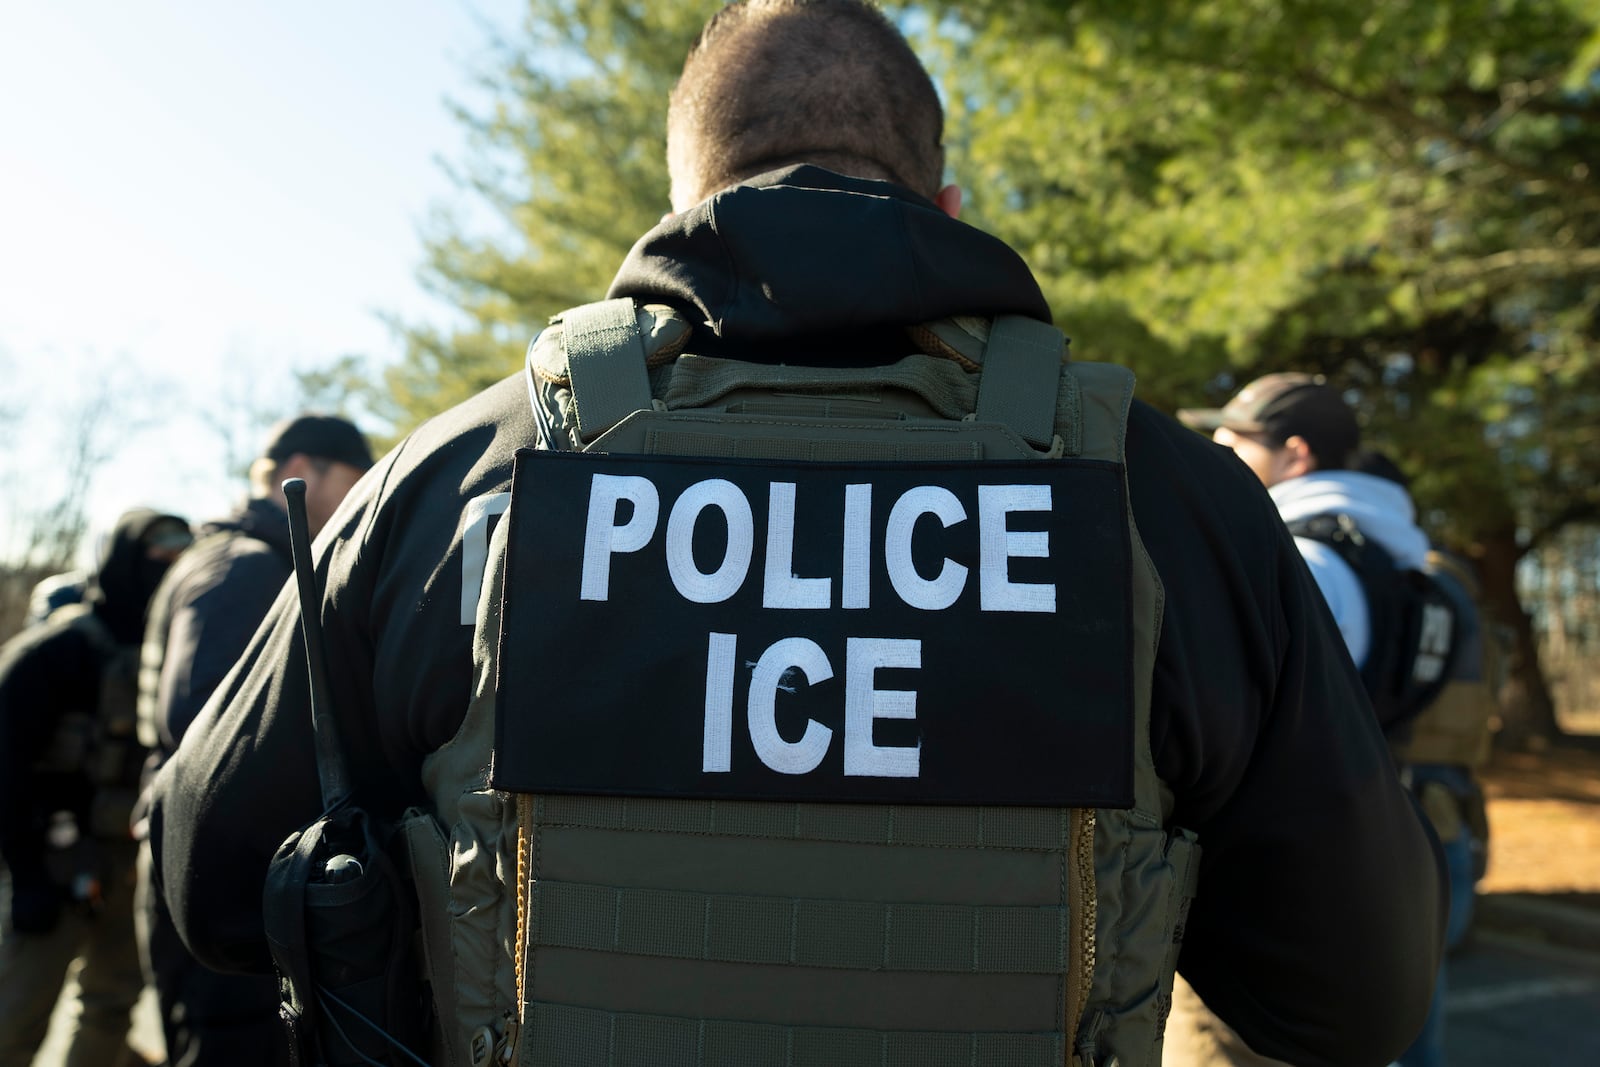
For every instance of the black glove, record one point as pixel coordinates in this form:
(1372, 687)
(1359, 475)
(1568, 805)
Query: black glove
(35, 908)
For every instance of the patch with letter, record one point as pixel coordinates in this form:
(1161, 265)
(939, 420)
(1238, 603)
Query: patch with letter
(935, 633)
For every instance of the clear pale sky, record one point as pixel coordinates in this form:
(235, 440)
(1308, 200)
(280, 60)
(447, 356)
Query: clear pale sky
(202, 197)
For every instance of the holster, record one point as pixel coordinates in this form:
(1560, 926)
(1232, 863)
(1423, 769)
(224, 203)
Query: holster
(349, 987)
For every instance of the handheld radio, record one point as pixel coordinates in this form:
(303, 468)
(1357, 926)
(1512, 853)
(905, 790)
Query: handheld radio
(339, 918)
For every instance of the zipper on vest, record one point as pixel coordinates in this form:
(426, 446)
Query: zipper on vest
(1081, 916)
(514, 1018)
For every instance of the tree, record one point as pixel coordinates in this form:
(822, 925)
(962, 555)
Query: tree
(1401, 196)
(572, 156)
(47, 520)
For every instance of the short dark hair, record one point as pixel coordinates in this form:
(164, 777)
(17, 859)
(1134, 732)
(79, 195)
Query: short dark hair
(775, 82)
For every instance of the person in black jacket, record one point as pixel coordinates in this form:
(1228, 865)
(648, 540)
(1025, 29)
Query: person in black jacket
(201, 619)
(1258, 723)
(69, 767)
(56, 591)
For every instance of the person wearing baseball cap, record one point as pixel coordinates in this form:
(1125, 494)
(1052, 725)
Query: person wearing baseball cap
(200, 621)
(804, 141)
(1298, 436)
(1283, 426)
(325, 450)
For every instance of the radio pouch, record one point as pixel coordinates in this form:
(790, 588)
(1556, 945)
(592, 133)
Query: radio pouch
(339, 922)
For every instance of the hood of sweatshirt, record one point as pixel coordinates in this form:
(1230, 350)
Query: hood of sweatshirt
(808, 266)
(128, 574)
(1381, 509)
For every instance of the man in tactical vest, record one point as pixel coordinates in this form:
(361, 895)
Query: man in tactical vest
(201, 619)
(1442, 748)
(763, 745)
(1357, 531)
(69, 771)
(1298, 436)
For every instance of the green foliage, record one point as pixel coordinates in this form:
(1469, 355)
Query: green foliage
(1401, 196)
(343, 387)
(572, 158)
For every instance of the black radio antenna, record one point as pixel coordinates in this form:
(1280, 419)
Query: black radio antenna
(331, 772)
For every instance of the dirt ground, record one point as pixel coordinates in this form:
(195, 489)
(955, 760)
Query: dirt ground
(1544, 823)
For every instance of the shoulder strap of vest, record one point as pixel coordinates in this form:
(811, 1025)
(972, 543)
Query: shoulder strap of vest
(1339, 532)
(607, 361)
(1416, 624)
(1021, 368)
(1334, 529)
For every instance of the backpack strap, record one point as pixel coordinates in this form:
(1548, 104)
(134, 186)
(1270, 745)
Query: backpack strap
(1416, 625)
(606, 361)
(1021, 372)
(1336, 530)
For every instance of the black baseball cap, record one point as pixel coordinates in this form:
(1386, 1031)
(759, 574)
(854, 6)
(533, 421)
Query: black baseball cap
(1281, 406)
(321, 437)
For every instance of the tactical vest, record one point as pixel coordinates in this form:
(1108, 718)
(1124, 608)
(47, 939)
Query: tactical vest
(1455, 728)
(1414, 624)
(567, 921)
(102, 745)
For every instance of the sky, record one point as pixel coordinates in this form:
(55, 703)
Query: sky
(198, 199)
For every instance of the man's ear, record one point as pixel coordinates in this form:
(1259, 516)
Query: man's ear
(1298, 458)
(949, 200)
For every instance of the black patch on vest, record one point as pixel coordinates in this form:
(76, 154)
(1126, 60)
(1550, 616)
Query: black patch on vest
(1029, 707)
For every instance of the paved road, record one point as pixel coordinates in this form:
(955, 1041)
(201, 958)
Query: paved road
(1512, 1002)
(1520, 1003)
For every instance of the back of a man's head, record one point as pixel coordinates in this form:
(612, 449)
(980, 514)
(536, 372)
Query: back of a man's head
(322, 438)
(328, 452)
(777, 82)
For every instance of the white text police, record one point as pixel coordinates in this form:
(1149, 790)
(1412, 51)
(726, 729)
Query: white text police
(997, 544)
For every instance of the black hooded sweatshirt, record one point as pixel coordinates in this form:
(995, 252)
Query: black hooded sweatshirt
(211, 601)
(1316, 933)
(53, 669)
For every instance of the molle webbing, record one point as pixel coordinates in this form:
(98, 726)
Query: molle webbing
(944, 933)
(579, 1037)
(702, 932)
(604, 356)
(681, 439)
